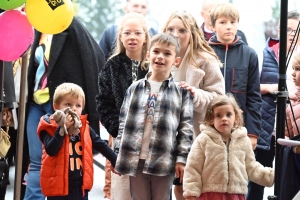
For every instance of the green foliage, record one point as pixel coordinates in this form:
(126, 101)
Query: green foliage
(276, 10)
(97, 15)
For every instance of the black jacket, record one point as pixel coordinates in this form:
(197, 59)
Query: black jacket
(74, 57)
(114, 79)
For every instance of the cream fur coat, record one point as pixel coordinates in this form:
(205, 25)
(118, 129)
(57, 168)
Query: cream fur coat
(208, 80)
(213, 166)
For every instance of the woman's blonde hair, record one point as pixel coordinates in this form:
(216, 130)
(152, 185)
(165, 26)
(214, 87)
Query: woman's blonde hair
(68, 89)
(119, 48)
(197, 39)
(222, 100)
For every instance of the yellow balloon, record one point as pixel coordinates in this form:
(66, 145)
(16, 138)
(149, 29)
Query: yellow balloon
(49, 16)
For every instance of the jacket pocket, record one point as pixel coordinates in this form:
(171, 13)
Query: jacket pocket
(239, 80)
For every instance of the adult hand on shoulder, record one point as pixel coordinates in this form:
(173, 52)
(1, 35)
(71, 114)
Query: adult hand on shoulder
(185, 85)
(179, 170)
(253, 141)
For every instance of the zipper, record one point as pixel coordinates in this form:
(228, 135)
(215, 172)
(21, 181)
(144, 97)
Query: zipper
(225, 65)
(227, 147)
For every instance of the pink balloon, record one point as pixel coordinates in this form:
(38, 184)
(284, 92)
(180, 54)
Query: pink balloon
(16, 35)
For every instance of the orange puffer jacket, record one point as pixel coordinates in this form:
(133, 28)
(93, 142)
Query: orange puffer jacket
(55, 169)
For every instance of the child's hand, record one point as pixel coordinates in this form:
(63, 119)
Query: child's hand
(185, 85)
(113, 170)
(69, 121)
(179, 170)
(253, 142)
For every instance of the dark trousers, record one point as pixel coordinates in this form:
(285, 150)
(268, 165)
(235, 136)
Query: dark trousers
(265, 157)
(75, 193)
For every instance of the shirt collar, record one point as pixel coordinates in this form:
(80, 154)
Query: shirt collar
(168, 81)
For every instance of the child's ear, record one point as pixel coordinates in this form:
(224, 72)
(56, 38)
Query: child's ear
(148, 55)
(55, 106)
(236, 120)
(177, 61)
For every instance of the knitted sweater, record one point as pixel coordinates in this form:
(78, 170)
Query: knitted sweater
(113, 81)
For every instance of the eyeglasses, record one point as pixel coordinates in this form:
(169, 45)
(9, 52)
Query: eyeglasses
(289, 31)
(180, 31)
(128, 34)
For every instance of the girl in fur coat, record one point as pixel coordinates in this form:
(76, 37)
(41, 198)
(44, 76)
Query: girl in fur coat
(221, 160)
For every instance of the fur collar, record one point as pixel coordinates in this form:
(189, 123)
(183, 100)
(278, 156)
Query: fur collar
(214, 134)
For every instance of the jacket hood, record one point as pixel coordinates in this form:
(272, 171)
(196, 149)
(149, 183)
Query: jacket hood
(237, 41)
(213, 133)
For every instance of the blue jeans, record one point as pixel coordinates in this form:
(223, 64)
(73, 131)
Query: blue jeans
(264, 157)
(35, 112)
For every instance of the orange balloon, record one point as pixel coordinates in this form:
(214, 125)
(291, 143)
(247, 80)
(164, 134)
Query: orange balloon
(50, 16)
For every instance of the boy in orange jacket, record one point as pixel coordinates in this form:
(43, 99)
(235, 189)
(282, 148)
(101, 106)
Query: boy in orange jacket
(68, 140)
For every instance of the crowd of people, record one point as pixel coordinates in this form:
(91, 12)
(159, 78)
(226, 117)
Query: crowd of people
(190, 109)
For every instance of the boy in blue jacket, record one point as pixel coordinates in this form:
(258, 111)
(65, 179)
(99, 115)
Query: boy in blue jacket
(240, 66)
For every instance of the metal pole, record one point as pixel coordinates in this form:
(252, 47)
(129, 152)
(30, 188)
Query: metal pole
(21, 129)
(281, 95)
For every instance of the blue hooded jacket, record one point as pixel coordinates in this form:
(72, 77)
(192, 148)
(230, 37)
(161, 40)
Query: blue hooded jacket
(241, 75)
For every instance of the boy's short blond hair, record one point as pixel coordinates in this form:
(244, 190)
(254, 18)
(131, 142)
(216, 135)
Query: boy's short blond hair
(224, 10)
(68, 89)
(166, 38)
